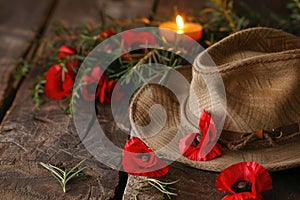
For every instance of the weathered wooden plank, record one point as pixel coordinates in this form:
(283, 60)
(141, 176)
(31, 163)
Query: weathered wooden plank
(20, 22)
(200, 185)
(76, 13)
(26, 138)
(193, 184)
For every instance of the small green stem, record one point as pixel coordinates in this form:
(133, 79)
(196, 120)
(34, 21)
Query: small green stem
(64, 176)
(159, 185)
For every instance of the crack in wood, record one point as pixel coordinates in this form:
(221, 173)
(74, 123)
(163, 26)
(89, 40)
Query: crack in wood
(119, 192)
(43, 119)
(14, 83)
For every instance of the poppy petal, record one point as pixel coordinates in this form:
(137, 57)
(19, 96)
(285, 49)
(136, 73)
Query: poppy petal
(66, 51)
(102, 94)
(189, 150)
(263, 180)
(107, 33)
(139, 160)
(243, 196)
(55, 87)
(207, 148)
(135, 40)
(72, 67)
(89, 90)
(251, 172)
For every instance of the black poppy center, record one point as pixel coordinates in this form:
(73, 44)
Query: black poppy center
(242, 186)
(196, 140)
(91, 88)
(145, 157)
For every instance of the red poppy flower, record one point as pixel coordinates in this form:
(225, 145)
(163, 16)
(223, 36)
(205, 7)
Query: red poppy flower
(204, 148)
(139, 160)
(58, 83)
(138, 40)
(66, 51)
(245, 180)
(91, 81)
(107, 33)
(72, 64)
(72, 67)
(105, 89)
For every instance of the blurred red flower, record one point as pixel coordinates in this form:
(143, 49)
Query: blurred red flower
(91, 82)
(245, 181)
(66, 52)
(195, 147)
(136, 40)
(58, 83)
(139, 160)
(104, 90)
(107, 33)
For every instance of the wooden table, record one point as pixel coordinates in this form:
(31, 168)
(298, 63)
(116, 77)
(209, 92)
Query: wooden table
(30, 135)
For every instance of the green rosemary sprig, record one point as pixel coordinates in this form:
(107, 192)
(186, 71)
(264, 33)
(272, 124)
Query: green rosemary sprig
(132, 72)
(163, 187)
(219, 19)
(64, 176)
(22, 67)
(38, 90)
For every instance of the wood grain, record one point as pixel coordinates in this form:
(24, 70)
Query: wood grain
(27, 140)
(20, 23)
(193, 184)
(76, 13)
(30, 135)
(200, 185)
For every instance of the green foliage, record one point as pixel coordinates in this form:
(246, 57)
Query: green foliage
(289, 22)
(38, 90)
(86, 37)
(162, 187)
(292, 24)
(22, 67)
(132, 73)
(64, 176)
(219, 19)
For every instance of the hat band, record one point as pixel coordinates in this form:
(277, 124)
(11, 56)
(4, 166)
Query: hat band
(280, 135)
(236, 140)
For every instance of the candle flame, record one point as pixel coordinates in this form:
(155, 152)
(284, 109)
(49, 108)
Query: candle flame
(179, 21)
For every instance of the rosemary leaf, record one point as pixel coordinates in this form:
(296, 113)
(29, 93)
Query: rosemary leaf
(64, 176)
(162, 187)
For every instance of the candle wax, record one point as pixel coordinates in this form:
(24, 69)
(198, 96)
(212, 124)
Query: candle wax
(192, 30)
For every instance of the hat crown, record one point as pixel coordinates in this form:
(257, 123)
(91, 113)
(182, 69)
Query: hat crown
(254, 75)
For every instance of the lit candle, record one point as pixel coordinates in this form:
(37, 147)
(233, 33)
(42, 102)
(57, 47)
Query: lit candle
(193, 30)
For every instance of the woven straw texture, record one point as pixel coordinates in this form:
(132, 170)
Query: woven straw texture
(260, 69)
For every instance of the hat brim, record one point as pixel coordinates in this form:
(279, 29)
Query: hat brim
(165, 141)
